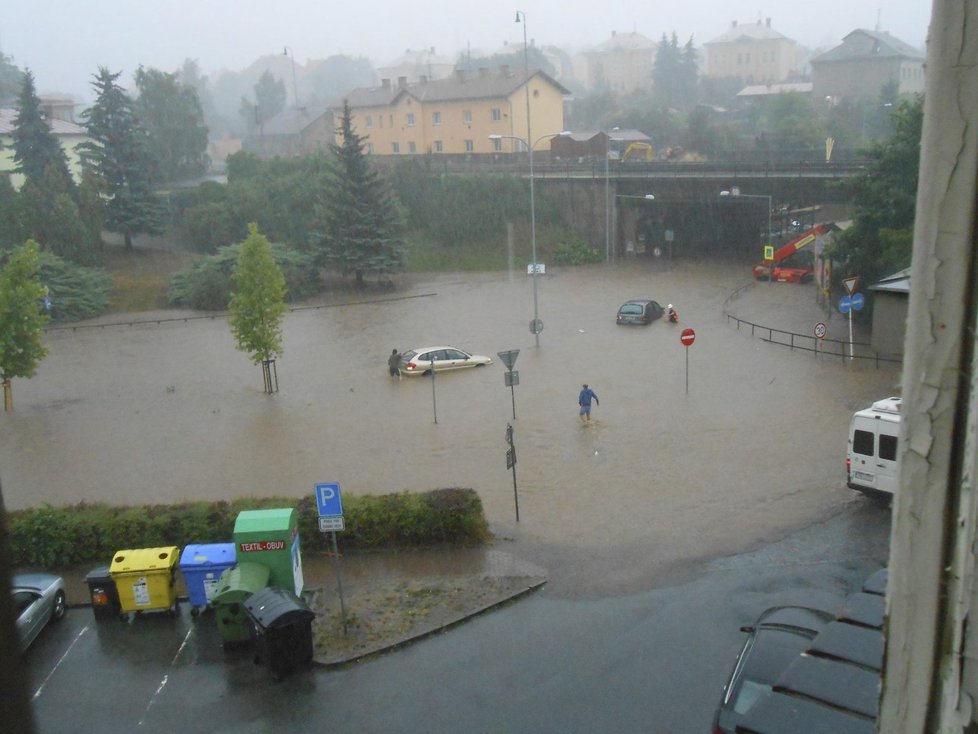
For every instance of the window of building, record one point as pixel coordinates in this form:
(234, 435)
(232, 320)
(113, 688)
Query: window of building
(438, 147)
(497, 114)
(436, 118)
(469, 146)
(369, 120)
(467, 117)
(380, 119)
(497, 145)
(370, 148)
(392, 119)
(410, 119)
(395, 148)
(412, 148)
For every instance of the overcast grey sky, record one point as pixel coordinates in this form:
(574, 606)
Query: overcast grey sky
(64, 42)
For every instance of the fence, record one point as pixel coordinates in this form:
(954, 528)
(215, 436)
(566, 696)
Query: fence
(833, 348)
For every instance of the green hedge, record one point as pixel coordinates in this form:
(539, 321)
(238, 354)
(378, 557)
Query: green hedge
(61, 537)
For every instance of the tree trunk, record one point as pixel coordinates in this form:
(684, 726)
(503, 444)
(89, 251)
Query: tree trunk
(8, 396)
(128, 236)
(359, 278)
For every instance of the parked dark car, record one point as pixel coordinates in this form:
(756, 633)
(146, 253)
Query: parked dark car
(38, 598)
(774, 641)
(640, 311)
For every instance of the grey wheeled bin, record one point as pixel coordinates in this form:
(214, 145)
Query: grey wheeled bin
(281, 625)
(103, 594)
(234, 587)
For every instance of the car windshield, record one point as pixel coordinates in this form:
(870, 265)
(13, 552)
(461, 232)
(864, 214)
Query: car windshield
(631, 308)
(408, 356)
(750, 691)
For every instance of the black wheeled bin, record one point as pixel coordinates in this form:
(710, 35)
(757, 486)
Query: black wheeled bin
(281, 625)
(103, 594)
(233, 589)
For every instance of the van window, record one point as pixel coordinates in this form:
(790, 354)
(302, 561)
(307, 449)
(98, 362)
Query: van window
(862, 442)
(888, 447)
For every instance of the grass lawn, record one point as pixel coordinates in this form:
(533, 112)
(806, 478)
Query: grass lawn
(140, 276)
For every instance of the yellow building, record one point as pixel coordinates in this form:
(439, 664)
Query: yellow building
(458, 114)
(755, 53)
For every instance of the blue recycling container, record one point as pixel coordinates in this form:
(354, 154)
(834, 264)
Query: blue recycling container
(202, 566)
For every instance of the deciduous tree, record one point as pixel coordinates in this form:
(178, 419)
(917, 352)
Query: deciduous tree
(22, 318)
(257, 302)
(170, 112)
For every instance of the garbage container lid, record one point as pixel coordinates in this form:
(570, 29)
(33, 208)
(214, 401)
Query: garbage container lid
(273, 607)
(239, 582)
(144, 559)
(211, 554)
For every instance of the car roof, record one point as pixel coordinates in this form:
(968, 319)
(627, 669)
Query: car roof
(835, 682)
(845, 641)
(804, 618)
(876, 583)
(864, 609)
(643, 301)
(429, 349)
(36, 581)
(780, 713)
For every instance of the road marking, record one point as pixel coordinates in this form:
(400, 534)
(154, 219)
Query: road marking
(166, 678)
(58, 664)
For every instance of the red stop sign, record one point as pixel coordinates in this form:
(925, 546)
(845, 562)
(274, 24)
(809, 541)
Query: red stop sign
(687, 337)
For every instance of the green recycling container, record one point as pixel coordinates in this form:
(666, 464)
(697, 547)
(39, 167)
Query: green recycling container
(271, 538)
(235, 586)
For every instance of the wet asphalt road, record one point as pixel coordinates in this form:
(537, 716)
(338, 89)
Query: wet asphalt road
(649, 662)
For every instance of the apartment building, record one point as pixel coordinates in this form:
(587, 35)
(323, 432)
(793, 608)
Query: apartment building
(622, 64)
(457, 115)
(863, 64)
(755, 53)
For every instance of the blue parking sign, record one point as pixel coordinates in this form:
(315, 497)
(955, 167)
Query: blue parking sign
(328, 500)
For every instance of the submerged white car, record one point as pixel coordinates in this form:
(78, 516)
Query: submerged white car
(421, 361)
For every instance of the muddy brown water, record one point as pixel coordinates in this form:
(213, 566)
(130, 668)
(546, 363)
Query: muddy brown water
(165, 412)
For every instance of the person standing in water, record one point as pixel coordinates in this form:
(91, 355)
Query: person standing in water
(584, 400)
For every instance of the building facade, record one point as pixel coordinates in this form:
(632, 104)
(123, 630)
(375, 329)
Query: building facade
(864, 63)
(457, 115)
(60, 116)
(755, 53)
(622, 64)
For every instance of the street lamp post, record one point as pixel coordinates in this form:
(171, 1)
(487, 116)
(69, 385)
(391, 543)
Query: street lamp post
(536, 325)
(737, 194)
(295, 93)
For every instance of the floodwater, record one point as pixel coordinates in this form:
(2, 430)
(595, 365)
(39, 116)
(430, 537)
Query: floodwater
(663, 478)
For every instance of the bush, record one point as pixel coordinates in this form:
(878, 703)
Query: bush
(574, 251)
(62, 537)
(206, 283)
(76, 292)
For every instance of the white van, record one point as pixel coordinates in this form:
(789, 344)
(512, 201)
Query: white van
(873, 460)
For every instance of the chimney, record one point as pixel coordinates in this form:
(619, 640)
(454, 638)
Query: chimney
(432, 50)
(768, 22)
(401, 82)
(504, 70)
(733, 24)
(385, 83)
(460, 75)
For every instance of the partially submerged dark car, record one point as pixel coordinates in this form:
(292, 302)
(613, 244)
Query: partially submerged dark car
(640, 311)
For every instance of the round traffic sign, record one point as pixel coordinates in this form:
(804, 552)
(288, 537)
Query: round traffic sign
(687, 337)
(820, 330)
(536, 326)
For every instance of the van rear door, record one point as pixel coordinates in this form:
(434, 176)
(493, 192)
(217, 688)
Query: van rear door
(873, 446)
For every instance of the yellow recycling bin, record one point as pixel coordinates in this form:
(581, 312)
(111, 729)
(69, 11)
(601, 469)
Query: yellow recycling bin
(146, 579)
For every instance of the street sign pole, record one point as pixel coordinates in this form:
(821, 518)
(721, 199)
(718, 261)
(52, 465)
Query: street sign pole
(339, 580)
(329, 502)
(512, 378)
(511, 464)
(687, 338)
(434, 404)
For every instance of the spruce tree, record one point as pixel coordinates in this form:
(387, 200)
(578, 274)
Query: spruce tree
(118, 155)
(36, 149)
(360, 222)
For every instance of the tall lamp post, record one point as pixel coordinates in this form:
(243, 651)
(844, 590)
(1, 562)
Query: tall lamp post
(295, 93)
(736, 194)
(536, 326)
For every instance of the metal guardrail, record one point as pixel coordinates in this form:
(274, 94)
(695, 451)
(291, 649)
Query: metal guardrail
(804, 342)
